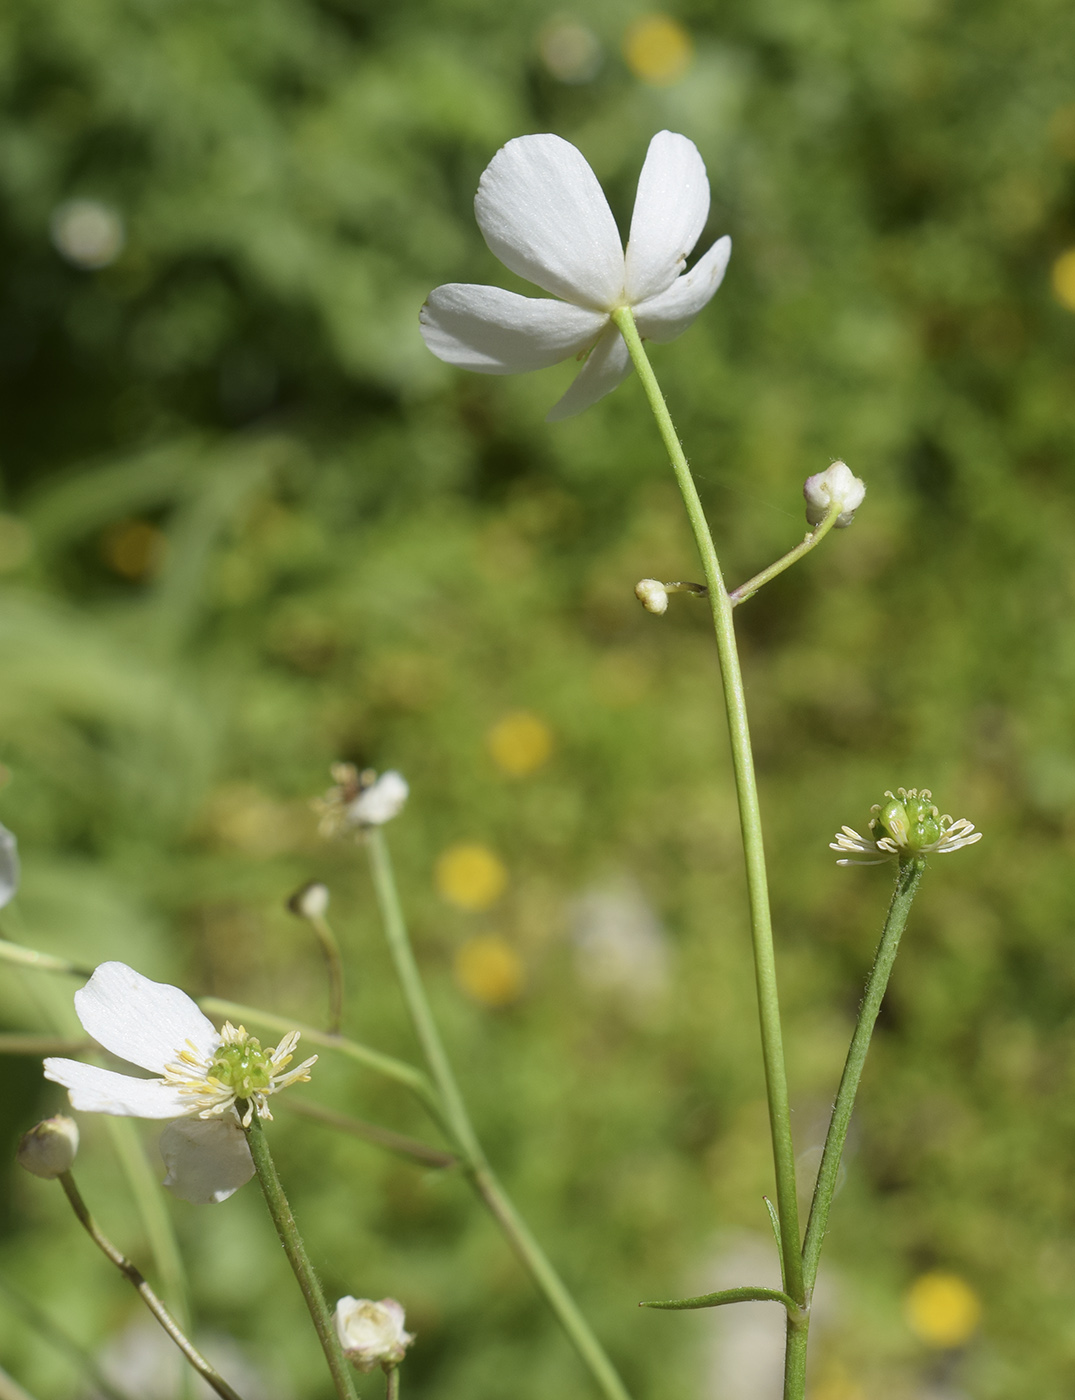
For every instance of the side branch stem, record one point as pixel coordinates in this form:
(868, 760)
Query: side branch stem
(152, 1302)
(910, 873)
(299, 1260)
(749, 818)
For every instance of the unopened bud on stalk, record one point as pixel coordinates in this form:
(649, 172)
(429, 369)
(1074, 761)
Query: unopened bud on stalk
(836, 486)
(49, 1149)
(653, 595)
(311, 902)
(371, 1334)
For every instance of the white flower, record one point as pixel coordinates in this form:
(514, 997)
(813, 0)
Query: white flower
(203, 1073)
(653, 595)
(836, 486)
(905, 826)
(372, 1334)
(360, 799)
(381, 802)
(542, 212)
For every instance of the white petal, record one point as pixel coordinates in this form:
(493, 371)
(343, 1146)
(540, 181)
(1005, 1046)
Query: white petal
(669, 314)
(139, 1020)
(9, 866)
(497, 332)
(207, 1159)
(608, 365)
(545, 216)
(671, 207)
(95, 1090)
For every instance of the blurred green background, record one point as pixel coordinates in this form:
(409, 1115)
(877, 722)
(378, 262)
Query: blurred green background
(250, 526)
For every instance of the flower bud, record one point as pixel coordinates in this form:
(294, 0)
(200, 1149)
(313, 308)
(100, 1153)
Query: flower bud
(836, 486)
(653, 595)
(311, 902)
(372, 1334)
(49, 1149)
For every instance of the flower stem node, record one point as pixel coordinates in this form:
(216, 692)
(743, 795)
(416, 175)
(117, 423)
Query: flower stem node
(836, 486)
(372, 1334)
(48, 1150)
(360, 800)
(906, 825)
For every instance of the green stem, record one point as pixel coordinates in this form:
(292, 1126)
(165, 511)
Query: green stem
(391, 1388)
(10, 1389)
(814, 538)
(330, 949)
(727, 1295)
(152, 1302)
(795, 1356)
(749, 818)
(907, 878)
(476, 1167)
(299, 1260)
(402, 1146)
(41, 962)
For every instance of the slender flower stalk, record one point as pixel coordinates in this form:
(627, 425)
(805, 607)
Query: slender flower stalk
(476, 1167)
(152, 1302)
(750, 822)
(311, 903)
(814, 538)
(907, 878)
(391, 1390)
(297, 1257)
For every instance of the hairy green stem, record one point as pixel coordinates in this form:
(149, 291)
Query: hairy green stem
(814, 538)
(727, 1295)
(152, 1302)
(295, 1249)
(476, 1167)
(749, 819)
(391, 1389)
(907, 878)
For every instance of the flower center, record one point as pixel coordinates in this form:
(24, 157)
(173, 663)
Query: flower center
(243, 1066)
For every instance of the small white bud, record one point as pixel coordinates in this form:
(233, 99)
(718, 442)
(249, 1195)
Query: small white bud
(311, 902)
(49, 1149)
(653, 595)
(372, 1334)
(837, 486)
(380, 802)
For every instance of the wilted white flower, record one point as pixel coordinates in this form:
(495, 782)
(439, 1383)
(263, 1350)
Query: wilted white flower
(836, 486)
(48, 1150)
(372, 1334)
(905, 826)
(204, 1074)
(360, 800)
(542, 212)
(9, 866)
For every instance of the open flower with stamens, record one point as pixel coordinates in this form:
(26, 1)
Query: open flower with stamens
(218, 1076)
(542, 212)
(905, 826)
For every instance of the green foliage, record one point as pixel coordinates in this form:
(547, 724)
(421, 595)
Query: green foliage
(253, 527)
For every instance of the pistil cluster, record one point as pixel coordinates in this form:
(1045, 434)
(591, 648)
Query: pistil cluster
(904, 826)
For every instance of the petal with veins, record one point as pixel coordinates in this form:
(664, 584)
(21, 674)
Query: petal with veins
(95, 1090)
(671, 207)
(145, 1022)
(207, 1159)
(669, 314)
(497, 332)
(544, 215)
(608, 365)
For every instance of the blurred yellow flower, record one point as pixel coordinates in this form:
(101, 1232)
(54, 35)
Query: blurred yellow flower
(942, 1309)
(470, 875)
(658, 49)
(489, 970)
(1064, 279)
(134, 549)
(520, 743)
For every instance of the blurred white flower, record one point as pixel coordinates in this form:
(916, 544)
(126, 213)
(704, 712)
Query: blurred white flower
(87, 233)
(311, 902)
(48, 1149)
(542, 212)
(836, 486)
(621, 950)
(372, 1334)
(9, 866)
(570, 51)
(380, 802)
(360, 800)
(204, 1074)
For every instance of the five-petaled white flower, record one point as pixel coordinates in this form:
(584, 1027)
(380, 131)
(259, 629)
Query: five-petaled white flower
(204, 1075)
(372, 1334)
(543, 213)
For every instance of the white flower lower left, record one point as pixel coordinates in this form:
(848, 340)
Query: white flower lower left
(203, 1074)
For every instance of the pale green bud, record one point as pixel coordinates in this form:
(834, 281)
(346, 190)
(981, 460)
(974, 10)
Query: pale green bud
(49, 1149)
